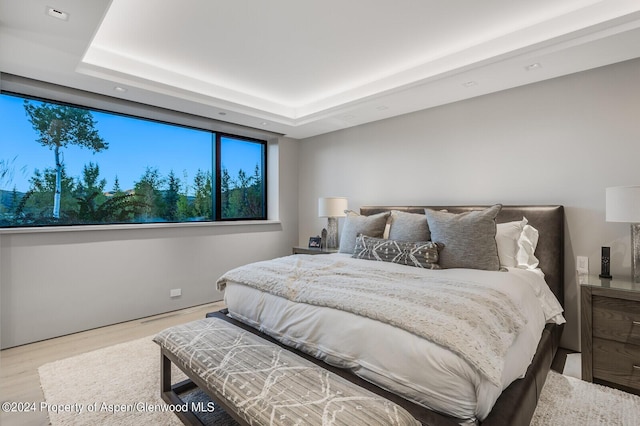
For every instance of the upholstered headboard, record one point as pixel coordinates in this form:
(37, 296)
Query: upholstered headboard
(548, 220)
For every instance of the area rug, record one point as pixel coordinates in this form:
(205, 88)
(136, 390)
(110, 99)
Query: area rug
(117, 385)
(567, 401)
(120, 385)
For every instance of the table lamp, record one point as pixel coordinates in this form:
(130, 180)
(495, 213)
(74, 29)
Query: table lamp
(623, 205)
(332, 208)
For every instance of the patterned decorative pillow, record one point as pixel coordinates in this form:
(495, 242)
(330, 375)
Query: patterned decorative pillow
(469, 238)
(421, 254)
(408, 226)
(354, 225)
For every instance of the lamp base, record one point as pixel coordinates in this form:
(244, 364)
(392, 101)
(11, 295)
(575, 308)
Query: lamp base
(332, 233)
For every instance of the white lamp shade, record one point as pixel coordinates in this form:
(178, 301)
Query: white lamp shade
(332, 206)
(623, 204)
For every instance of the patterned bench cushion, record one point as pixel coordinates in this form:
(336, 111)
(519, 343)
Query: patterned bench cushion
(268, 385)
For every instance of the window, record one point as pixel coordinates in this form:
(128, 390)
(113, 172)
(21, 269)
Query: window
(63, 164)
(242, 187)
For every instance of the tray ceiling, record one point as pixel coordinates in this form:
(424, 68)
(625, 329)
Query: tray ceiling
(305, 68)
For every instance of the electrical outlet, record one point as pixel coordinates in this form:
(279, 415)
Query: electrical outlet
(582, 264)
(176, 292)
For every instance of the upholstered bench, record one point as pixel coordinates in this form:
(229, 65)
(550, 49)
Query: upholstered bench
(258, 382)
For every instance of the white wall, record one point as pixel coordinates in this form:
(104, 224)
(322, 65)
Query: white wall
(562, 141)
(62, 282)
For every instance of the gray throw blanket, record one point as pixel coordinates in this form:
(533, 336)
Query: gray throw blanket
(476, 322)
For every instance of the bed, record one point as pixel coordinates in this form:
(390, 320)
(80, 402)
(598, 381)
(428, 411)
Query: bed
(379, 336)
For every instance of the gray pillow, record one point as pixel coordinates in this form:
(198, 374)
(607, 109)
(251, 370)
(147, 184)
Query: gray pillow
(408, 226)
(469, 238)
(354, 225)
(421, 254)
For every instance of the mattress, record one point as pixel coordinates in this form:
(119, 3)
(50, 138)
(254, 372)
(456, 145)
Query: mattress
(396, 359)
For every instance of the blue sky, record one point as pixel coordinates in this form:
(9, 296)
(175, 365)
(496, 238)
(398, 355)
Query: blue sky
(134, 145)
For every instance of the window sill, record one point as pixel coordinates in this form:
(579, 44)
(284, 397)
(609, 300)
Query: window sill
(80, 228)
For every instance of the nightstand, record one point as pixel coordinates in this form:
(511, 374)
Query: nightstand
(307, 250)
(611, 332)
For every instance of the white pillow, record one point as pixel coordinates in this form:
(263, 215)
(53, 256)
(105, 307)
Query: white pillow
(507, 237)
(527, 244)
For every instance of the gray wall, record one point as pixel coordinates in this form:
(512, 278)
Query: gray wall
(55, 283)
(562, 141)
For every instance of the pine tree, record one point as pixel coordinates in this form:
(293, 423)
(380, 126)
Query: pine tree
(225, 193)
(202, 206)
(171, 197)
(147, 190)
(116, 186)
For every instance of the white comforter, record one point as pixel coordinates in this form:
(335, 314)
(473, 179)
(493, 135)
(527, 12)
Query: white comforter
(399, 360)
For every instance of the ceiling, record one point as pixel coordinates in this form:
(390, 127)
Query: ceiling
(303, 68)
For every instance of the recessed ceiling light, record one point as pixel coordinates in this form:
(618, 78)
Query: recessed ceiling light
(120, 89)
(57, 13)
(264, 123)
(470, 83)
(382, 107)
(532, 67)
(222, 113)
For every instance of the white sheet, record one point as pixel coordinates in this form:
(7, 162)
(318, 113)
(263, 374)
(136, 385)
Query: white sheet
(396, 359)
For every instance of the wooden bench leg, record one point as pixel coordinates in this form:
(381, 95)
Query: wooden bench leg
(170, 393)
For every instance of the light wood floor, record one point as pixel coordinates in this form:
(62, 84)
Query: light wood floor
(19, 379)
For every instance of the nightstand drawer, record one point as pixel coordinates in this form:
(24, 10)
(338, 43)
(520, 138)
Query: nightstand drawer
(616, 319)
(616, 362)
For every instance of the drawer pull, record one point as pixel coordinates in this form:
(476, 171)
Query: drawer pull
(636, 367)
(636, 322)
